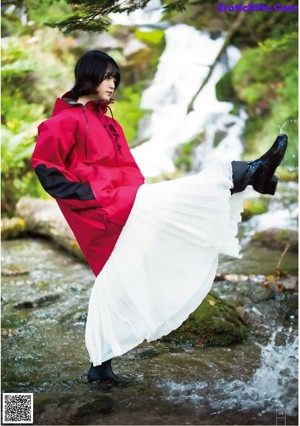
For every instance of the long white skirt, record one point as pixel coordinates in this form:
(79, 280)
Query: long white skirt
(164, 262)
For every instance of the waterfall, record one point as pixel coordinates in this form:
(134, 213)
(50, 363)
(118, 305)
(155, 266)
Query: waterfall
(182, 68)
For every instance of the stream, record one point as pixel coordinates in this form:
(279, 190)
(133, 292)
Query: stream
(45, 295)
(45, 292)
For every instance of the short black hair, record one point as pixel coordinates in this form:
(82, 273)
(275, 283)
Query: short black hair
(90, 71)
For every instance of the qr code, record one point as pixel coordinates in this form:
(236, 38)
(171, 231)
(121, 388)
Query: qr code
(17, 408)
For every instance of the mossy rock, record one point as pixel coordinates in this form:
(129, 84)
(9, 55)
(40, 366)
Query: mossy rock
(289, 175)
(75, 249)
(12, 228)
(277, 239)
(255, 206)
(214, 323)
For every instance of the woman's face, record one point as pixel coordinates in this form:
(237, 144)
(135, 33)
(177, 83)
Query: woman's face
(106, 88)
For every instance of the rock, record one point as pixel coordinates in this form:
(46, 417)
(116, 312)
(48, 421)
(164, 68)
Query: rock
(133, 46)
(12, 228)
(45, 300)
(72, 316)
(255, 206)
(277, 239)
(291, 308)
(43, 217)
(289, 283)
(279, 284)
(214, 323)
(13, 272)
(72, 410)
(260, 294)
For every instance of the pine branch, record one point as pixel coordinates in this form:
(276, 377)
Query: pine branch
(92, 22)
(176, 6)
(91, 15)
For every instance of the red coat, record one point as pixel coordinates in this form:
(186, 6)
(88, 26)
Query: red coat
(83, 160)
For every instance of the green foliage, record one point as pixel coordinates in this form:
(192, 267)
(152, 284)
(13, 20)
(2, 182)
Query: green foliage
(127, 110)
(25, 16)
(154, 37)
(128, 97)
(266, 81)
(92, 15)
(37, 66)
(176, 6)
(33, 70)
(224, 88)
(252, 75)
(287, 42)
(43, 11)
(17, 131)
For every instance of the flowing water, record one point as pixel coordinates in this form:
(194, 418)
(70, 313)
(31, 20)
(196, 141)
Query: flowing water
(45, 295)
(182, 68)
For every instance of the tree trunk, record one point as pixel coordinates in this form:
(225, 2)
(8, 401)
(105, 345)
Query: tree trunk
(232, 30)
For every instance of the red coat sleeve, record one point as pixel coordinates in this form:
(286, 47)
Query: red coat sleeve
(54, 144)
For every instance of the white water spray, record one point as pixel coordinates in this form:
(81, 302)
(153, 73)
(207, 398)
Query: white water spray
(290, 120)
(274, 385)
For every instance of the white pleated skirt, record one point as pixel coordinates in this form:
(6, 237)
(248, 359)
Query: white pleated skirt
(164, 262)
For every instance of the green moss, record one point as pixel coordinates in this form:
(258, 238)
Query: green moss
(12, 228)
(154, 37)
(75, 250)
(214, 323)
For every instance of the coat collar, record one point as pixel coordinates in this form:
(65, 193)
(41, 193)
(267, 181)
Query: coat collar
(69, 101)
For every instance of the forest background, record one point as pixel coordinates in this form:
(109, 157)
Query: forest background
(38, 62)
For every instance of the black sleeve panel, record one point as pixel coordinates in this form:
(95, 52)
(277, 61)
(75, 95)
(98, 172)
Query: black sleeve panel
(55, 183)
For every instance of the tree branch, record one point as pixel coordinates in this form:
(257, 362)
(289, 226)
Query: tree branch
(232, 30)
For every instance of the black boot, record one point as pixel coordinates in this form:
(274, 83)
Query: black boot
(103, 373)
(260, 173)
(240, 176)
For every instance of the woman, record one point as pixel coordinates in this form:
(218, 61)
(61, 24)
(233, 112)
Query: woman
(153, 248)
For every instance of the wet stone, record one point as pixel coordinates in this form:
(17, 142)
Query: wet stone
(214, 323)
(173, 382)
(13, 272)
(261, 294)
(12, 228)
(279, 239)
(45, 300)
